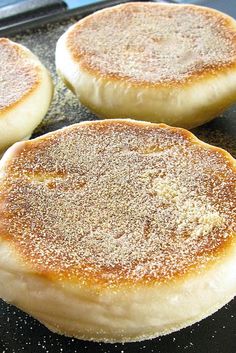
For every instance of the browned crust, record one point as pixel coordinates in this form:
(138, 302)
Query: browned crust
(20, 67)
(95, 277)
(198, 74)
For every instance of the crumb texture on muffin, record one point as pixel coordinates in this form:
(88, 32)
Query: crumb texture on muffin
(118, 201)
(154, 43)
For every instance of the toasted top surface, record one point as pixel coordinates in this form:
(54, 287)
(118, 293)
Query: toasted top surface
(115, 201)
(18, 73)
(154, 43)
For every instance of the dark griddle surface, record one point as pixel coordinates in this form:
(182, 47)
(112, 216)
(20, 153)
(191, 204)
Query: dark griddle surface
(19, 332)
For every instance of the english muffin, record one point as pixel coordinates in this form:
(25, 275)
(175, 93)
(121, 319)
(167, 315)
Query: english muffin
(25, 92)
(117, 230)
(174, 64)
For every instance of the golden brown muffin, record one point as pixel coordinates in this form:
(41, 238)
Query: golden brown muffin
(117, 230)
(174, 64)
(25, 92)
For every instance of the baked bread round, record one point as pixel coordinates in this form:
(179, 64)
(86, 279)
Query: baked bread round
(117, 230)
(174, 64)
(25, 92)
